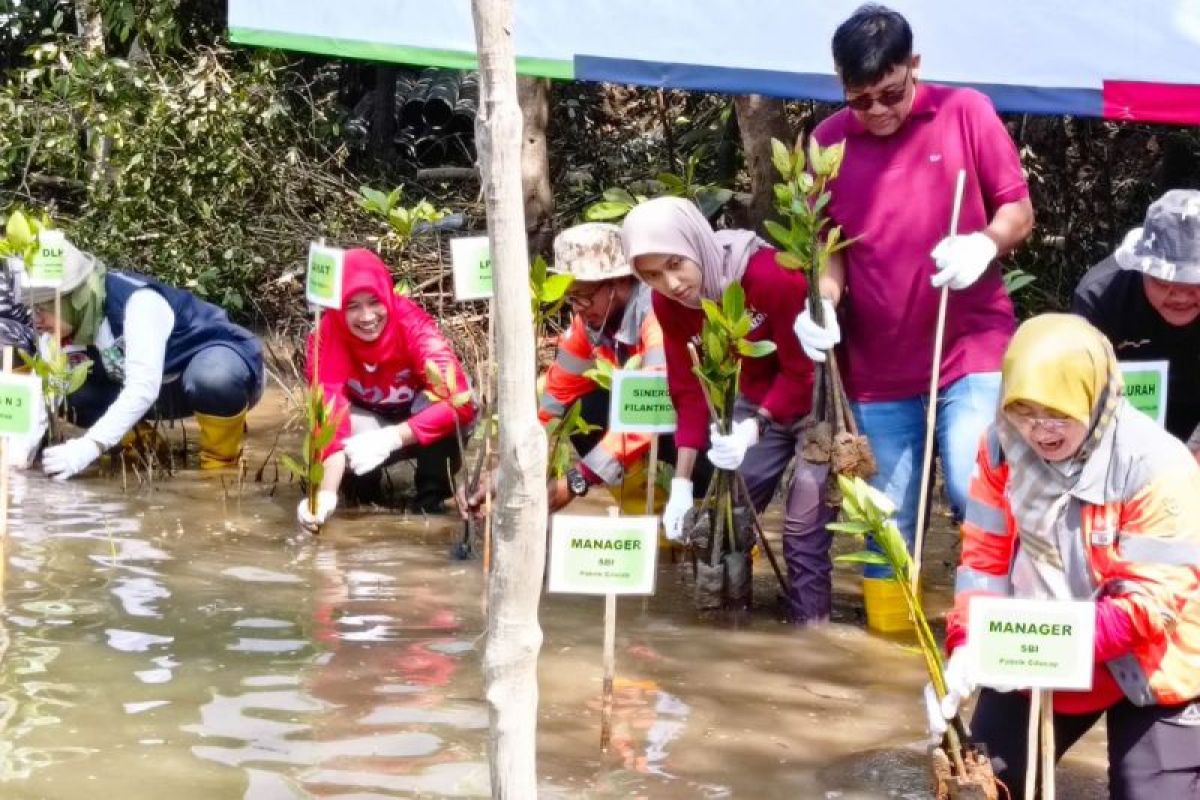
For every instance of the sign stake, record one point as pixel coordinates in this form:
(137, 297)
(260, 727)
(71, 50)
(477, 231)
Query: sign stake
(1047, 743)
(610, 659)
(7, 366)
(653, 474)
(610, 668)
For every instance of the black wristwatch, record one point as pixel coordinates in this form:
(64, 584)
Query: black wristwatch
(576, 483)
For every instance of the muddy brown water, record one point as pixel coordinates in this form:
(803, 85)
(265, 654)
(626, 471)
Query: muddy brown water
(182, 641)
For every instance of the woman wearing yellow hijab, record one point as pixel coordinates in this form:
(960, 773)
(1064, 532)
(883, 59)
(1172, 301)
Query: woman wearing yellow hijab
(1079, 496)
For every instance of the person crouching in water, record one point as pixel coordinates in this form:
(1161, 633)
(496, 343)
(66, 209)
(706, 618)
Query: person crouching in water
(671, 247)
(1077, 495)
(612, 321)
(156, 351)
(372, 365)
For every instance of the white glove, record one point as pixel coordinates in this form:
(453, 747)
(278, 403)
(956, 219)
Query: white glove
(70, 458)
(727, 450)
(814, 338)
(326, 503)
(960, 260)
(678, 504)
(958, 688)
(367, 450)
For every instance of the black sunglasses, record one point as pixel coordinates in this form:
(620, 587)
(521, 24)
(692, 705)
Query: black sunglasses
(886, 98)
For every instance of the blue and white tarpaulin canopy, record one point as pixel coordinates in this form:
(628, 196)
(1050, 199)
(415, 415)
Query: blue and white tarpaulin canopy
(1119, 59)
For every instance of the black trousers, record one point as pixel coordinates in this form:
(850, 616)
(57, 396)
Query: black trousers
(1153, 751)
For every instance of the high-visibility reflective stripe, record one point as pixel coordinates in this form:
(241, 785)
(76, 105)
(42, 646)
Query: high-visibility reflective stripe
(987, 518)
(573, 363)
(972, 580)
(1130, 676)
(1156, 550)
(550, 405)
(604, 464)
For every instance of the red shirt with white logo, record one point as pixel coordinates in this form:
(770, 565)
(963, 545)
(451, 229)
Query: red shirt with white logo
(780, 383)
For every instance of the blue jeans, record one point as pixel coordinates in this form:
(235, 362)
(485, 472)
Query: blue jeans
(896, 430)
(216, 381)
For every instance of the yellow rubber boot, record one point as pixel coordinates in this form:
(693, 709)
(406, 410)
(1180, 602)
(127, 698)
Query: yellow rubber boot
(221, 440)
(884, 602)
(630, 493)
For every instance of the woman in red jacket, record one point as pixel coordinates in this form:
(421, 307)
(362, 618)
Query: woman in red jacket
(673, 249)
(373, 365)
(1078, 495)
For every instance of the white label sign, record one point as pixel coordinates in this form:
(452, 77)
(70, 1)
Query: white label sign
(1034, 644)
(49, 260)
(472, 260)
(20, 404)
(603, 555)
(639, 402)
(1146, 387)
(323, 286)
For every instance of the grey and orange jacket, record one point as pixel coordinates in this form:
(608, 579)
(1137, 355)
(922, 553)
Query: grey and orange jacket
(1139, 518)
(639, 334)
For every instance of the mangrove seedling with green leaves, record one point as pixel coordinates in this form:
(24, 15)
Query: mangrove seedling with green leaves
(442, 386)
(560, 432)
(321, 424)
(616, 202)
(21, 234)
(808, 239)
(403, 221)
(868, 513)
(722, 531)
(547, 296)
(601, 373)
(59, 377)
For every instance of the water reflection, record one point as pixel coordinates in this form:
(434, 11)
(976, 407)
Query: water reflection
(169, 643)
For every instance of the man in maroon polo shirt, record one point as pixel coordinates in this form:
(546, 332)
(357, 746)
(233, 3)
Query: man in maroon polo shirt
(905, 143)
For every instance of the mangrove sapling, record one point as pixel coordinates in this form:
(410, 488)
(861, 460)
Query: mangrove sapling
(443, 387)
(959, 770)
(616, 202)
(60, 379)
(808, 240)
(548, 295)
(321, 424)
(560, 432)
(403, 222)
(722, 530)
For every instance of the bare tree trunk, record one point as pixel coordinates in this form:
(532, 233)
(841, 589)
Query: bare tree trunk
(90, 22)
(760, 119)
(534, 95)
(519, 550)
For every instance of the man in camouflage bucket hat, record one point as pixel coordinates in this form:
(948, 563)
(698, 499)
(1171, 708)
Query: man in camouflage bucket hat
(611, 321)
(1146, 299)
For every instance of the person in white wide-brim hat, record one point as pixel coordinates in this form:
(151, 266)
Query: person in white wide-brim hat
(155, 351)
(1145, 298)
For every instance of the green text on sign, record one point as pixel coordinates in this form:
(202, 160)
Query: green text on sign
(603, 555)
(20, 396)
(1146, 387)
(323, 286)
(49, 260)
(1031, 643)
(640, 403)
(471, 258)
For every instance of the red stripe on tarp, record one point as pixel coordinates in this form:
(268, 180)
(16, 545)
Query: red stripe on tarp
(1152, 102)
